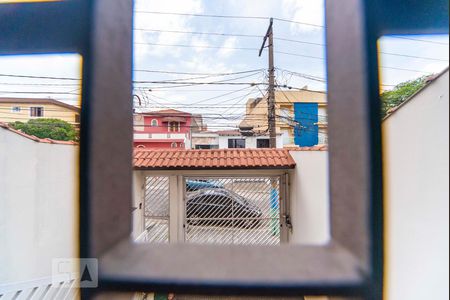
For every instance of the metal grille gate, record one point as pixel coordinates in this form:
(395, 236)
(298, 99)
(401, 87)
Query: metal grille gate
(156, 210)
(233, 210)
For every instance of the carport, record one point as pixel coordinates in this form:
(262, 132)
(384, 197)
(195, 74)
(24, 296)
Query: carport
(219, 196)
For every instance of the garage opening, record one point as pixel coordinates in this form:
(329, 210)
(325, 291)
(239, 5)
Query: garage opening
(233, 210)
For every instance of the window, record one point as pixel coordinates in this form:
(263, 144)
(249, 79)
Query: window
(352, 70)
(173, 145)
(15, 109)
(77, 118)
(154, 123)
(236, 143)
(174, 126)
(36, 111)
(206, 146)
(262, 143)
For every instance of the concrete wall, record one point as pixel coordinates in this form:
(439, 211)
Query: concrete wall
(309, 194)
(416, 159)
(38, 206)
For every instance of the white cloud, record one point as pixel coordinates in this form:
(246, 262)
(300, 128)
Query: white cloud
(163, 22)
(225, 52)
(199, 44)
(305, 11)
(206, 64)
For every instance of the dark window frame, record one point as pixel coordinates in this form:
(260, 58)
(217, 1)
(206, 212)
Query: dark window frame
(101, 31)
(266, 142)
(236, 143)
(36, 111)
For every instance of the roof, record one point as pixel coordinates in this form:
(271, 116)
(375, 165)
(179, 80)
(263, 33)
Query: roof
(228, 132)
(40, 101)
(429, 80)
(174, 119)
(35, 138)
(165, 112)
(312, 148)
(214, 159)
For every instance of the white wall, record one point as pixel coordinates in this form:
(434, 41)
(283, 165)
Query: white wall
(250, 141)
(416, 165)
(310, 198)
(38, 207)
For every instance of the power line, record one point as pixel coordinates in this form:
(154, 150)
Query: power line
(197, 46)
(298, 22)
(413, 56)
(202, 15)
(205, 76)
(39, 84)
(228, 34)
(227, 17)
(281, 52)
(306, 76)
(38, 77)
(419, 40)
(403, 69)
(196, 73)
(276, 38)
(40, 93)
(201, 33)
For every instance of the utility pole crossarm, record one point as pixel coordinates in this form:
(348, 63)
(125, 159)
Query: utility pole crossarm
(266, 36)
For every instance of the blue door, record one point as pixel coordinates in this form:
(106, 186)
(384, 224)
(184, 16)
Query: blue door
(306, 131)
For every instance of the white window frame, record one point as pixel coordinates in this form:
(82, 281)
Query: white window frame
(152, 121)
(16, 111)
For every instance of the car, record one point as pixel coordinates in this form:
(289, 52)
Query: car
(195, 185)
(221, 207)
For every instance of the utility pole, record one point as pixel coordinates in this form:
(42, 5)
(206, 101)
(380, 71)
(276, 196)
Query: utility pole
(271, 90)
(274, 193)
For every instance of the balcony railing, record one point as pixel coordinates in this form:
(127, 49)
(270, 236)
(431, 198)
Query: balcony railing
(159, 136)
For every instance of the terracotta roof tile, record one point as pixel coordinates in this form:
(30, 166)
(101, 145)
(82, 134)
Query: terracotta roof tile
(312, 148)
(177, 159)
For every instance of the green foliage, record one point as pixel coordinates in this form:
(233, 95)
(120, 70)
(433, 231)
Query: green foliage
(54, 129)
(396, 96)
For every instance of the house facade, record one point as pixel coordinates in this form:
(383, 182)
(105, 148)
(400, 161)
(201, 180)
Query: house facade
(301, 117)
(24, 109)
(232, 139)
(167, 128)
(205, 140)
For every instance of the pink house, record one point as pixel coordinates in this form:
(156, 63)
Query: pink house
(167, 128)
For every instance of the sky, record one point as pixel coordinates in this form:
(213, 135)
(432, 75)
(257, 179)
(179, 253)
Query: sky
(299, 51)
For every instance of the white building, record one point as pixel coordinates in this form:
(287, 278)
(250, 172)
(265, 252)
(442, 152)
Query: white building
(230, 139)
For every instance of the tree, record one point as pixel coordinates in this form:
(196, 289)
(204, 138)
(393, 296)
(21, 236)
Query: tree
(54, 129)
(400, 93)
